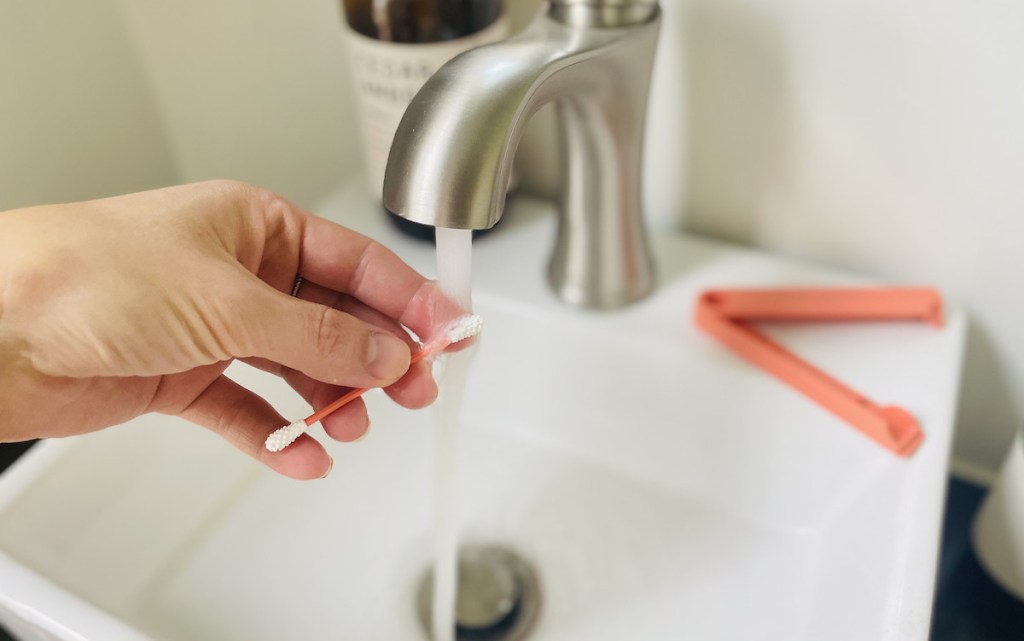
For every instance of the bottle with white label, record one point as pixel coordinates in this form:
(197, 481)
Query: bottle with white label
(394, 46)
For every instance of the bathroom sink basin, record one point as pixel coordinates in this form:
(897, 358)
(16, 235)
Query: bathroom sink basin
(660, 486)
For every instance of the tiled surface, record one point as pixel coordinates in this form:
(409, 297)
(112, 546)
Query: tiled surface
(969, 606)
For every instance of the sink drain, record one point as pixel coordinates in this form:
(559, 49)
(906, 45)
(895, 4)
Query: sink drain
(498, 598)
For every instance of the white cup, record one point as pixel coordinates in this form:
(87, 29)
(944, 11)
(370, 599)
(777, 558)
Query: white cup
(999, 528)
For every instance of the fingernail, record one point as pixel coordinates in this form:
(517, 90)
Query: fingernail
(387, 357)
(330, 466)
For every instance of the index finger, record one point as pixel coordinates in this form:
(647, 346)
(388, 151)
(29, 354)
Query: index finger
(346, 261)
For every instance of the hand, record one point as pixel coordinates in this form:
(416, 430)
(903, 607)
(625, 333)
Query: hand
(113, 308)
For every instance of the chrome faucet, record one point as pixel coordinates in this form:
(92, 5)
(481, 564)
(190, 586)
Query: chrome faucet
(452, 154)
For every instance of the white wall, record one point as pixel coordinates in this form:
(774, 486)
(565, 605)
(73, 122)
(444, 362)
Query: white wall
(882, 137)
(76, 118)
(886, 137)
(254, 90)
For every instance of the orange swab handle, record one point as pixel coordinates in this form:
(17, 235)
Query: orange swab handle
(356, 392)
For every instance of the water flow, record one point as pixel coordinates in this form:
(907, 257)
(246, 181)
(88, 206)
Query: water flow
(454, 264)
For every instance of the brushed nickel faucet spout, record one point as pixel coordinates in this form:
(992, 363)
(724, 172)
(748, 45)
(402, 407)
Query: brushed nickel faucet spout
(452, 154)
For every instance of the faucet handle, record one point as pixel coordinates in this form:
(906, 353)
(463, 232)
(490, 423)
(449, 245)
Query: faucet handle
(603, 13)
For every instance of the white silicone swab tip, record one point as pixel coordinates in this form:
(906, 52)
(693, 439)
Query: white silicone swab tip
(463, 327)
(282, 438)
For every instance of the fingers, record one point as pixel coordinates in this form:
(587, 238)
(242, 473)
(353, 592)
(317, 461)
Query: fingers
(314, 293)
(416, 388)
(344, 261)
(319, 341)
(245, 420)
(350, 423)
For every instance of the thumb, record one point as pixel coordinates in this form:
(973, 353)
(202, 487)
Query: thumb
(323, 343)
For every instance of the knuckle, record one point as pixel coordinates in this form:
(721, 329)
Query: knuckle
(269, 202)
(330, 335)
(235, 193)
(276, 212)
(231, 187)
(370, 254)
(228, 422)
(235, 422)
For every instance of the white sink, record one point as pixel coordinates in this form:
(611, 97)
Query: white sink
(662, 487)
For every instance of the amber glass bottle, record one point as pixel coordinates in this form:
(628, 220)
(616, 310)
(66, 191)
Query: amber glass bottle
(420, 21)
(394, 46)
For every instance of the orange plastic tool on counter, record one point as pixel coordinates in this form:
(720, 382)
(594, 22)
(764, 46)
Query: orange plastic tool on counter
(726, 314)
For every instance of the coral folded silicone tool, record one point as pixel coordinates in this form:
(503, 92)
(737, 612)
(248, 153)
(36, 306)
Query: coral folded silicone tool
(458, 330)
(726, 314)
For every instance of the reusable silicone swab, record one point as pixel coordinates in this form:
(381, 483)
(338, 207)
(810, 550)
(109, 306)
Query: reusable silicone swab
(458, 330)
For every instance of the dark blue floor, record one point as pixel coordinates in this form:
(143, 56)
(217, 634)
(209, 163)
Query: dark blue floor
(968, 606)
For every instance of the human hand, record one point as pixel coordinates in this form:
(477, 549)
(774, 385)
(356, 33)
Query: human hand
(113, 308)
